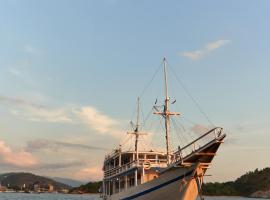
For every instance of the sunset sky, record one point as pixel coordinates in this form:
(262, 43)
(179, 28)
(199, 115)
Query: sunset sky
(71, 71)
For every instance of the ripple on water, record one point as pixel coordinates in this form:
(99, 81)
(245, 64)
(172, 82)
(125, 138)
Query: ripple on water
(23, 196)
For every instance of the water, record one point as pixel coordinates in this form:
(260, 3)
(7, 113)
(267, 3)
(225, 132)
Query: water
(230, 198)
(23, 196)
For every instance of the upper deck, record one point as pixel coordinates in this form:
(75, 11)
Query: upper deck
(119, 162)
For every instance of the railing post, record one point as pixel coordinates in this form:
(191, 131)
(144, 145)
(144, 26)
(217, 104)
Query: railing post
(109, 187)
(103, 188)
(142, 177)
(119, 185)
(136, 177)
(125, 182)
(113, 186)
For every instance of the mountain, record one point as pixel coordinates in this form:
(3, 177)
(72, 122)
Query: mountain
(252, 184)
(91, 187)
(67, 181)
(18, 180)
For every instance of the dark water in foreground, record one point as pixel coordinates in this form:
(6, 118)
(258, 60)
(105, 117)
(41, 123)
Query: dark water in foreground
(22, 196)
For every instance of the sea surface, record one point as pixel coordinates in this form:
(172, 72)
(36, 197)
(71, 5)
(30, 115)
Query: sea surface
(23, 196)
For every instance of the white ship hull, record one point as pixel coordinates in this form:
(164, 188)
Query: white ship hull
(182, 181)
(176, 183)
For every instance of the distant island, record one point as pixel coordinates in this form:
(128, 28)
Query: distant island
(31, 183)
(252, 184)
(68, 181)
(28, 182)
(91, 187)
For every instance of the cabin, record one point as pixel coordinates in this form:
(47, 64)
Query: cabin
(123, 170)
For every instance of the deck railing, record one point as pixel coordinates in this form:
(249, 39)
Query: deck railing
(197, 143)
(120, 169)
(134, 163)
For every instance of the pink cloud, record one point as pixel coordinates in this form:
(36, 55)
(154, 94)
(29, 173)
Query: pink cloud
(199, 129)
(19, 158)
(99, 122)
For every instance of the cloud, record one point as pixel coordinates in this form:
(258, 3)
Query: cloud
(19, 158)
(35, 112)
(18, 101)
(199, 129)
(198, 54)
(90, 173)
(49, 115)
(15, 72)
(216, 44)
(231, 141)
(21, 69)
(30, 49)
(21, 73)
(58, 165)
(24, 159)
(98, 121)
(193, 55)
(40, 144)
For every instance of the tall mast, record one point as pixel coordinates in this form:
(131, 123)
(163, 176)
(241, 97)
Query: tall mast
(136, 131)
(166, 114)
(137, 128)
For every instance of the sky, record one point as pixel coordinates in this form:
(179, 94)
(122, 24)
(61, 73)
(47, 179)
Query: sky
(71, 71)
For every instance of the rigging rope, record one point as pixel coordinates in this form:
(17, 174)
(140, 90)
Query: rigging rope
(176, 127)
(150, 82)
(147, 117)
(190, 96)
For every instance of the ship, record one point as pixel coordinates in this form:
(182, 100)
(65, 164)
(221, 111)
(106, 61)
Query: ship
(165, 174)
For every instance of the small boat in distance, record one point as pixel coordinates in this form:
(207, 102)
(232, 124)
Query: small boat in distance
(160, 175)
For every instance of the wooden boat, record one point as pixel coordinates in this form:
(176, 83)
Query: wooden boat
(154, 175)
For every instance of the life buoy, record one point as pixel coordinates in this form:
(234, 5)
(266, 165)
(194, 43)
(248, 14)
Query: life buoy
(147, 164)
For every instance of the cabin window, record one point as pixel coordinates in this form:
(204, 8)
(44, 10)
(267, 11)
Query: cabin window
(141, 156)
(125, 160)
(162, 157)
(151, 157)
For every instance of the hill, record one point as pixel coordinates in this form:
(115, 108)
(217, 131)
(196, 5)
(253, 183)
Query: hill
(252, 184)
(91, 187)
(67, 181)
(18, 180)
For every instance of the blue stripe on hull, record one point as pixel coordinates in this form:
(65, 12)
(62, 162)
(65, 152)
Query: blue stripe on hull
(157, 187)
